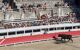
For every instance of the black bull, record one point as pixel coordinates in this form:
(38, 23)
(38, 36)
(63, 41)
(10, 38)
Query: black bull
(65, 36)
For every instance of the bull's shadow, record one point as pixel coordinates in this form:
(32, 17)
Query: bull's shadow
(59, 41)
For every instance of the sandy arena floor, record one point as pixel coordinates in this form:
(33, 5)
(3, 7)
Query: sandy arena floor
(45, 45)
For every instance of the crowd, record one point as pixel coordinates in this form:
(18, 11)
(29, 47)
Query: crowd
(45, 19)
(33, 7)
(62, 4)
(7, 25)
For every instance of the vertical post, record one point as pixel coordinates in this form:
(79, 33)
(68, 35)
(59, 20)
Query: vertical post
(72, 27)
(4, 15)
(51, 12)
(32, 32)
(59, 12)
(16, 32)
(24, 32)
(7, 34)
(64, 28)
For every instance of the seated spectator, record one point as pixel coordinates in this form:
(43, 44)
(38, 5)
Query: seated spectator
(39, 5)
(57, 4)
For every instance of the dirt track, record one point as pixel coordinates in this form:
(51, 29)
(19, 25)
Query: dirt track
(45, 45)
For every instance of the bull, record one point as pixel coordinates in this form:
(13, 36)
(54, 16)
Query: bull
(65, 36)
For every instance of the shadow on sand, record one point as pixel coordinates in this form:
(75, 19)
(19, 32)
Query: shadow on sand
(60, 41)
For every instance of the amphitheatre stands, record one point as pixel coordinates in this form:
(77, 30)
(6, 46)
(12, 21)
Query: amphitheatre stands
(35, 13)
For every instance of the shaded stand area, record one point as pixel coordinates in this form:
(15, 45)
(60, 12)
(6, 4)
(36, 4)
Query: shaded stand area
(11, 3)
(75, 6)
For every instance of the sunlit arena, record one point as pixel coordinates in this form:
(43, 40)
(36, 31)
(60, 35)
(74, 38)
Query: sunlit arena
(39, 24)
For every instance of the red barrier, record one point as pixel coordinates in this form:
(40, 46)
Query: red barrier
(1, 40)
(8, 41)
